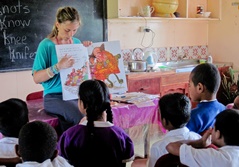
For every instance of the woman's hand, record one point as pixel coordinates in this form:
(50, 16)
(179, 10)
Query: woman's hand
(87, 43)
(65, 62)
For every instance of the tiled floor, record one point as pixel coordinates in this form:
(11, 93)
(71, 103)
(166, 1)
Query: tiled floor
(137, 135)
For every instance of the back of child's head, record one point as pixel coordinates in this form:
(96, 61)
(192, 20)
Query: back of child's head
(207, 74)
(96, 99)
(13, 115)
(236, 102)
(176, 108)
(227, 122)
(37, 141)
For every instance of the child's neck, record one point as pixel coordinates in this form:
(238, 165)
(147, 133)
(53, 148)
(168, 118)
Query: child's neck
(208, 97)
(103, 117)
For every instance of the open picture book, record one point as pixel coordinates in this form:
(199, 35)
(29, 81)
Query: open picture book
(102, 61)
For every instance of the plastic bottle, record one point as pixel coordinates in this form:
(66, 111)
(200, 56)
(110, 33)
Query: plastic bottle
(209, 59)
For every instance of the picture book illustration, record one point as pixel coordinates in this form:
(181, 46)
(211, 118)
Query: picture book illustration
(72, 77)
(106, 64)
(101, 61)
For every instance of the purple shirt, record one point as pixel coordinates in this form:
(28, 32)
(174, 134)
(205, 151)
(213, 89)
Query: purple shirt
(110, 146)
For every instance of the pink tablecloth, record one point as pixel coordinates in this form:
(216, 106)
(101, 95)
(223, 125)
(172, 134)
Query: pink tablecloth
(129, 115)
(125, 115)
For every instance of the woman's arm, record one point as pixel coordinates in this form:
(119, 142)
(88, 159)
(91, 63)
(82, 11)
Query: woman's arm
(66, 62)
(48, 73)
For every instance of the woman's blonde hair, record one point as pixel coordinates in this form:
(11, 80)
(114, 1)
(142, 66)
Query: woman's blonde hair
(65, 14)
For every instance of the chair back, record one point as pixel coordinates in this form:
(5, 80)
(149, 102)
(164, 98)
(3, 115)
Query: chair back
(34, 96)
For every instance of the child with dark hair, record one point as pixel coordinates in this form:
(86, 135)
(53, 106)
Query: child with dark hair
(204, 82)
(225, 135)
(236, 102)
(37, 146)
(96, 141)
(13, 115)
(175, 112)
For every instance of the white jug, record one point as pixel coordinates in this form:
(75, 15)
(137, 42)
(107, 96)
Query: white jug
(146, 11)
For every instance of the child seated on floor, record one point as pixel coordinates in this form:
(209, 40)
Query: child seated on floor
(225, 135)
(204, 82)
(175, 112)
(96, 141)
(236, 102)
(13, 115)
(37, 146)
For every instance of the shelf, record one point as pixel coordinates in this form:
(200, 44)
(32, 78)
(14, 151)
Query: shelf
(125, 9)
(157, 19)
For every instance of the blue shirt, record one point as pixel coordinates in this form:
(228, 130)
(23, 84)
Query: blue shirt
(46, 57)
(203, 116)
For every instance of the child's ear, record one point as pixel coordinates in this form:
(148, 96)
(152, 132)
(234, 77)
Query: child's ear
(163, 121)
(200, 87)
(17, 150)
(54, 154)
(218, 134)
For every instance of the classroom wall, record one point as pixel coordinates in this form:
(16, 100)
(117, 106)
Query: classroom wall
(222, 38)
(224, 35)
(17, 84)
(168, 33)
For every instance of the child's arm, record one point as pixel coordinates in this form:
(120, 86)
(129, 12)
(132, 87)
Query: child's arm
(174, 147)
(203, 142)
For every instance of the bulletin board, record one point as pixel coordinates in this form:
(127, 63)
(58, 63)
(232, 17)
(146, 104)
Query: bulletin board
(24, 23)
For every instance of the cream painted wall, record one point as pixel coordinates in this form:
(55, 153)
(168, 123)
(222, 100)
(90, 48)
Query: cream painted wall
(224, 35)
(167, 32)
(17, 85)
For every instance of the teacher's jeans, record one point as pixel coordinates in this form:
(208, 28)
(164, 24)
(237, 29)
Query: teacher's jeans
(67, 112)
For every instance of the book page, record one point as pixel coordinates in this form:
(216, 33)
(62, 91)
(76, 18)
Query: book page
(72, 77)
(106, 64)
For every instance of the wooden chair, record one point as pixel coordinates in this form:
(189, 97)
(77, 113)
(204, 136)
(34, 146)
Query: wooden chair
(10, 162)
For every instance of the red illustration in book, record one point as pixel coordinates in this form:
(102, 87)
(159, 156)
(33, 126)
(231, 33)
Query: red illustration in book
(76, 76)
(104, 63)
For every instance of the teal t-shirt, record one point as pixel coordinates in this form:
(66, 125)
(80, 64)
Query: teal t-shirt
(46, 57)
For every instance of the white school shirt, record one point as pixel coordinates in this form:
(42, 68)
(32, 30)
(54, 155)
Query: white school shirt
(158, 149)
(57, 162)
(226, 156)
(7, 147)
